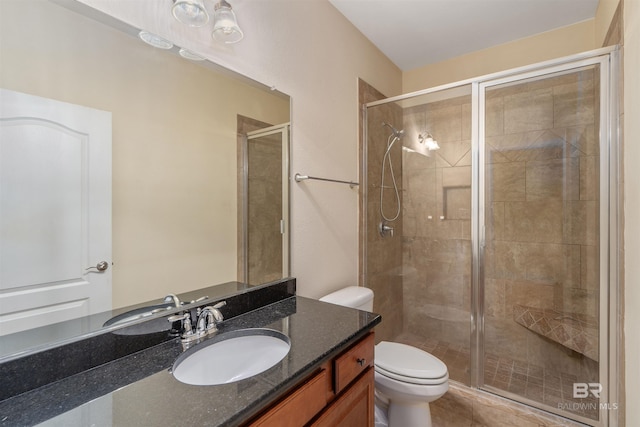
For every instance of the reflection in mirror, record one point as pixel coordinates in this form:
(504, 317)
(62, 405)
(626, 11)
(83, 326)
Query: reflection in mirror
(169, 162)
(263, 202)
(145, 317)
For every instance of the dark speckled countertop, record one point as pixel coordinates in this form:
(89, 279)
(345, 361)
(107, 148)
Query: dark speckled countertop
(138, 390)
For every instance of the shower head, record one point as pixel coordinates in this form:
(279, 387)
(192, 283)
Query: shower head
(396, 133)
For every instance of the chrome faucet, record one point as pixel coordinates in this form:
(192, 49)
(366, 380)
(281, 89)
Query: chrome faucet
(207, 323)
(208, 319)
(174, 299)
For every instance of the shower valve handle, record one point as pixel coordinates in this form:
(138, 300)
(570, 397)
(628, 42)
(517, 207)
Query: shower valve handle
(385, 229)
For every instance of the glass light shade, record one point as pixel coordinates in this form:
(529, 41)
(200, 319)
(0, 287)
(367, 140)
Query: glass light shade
(431, 144)
(225, 25)
(190, 12)
(428, 141)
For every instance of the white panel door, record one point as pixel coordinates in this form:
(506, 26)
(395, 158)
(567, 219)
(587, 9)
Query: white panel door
(55, 211)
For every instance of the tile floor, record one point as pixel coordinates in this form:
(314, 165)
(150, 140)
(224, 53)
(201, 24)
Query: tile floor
(466, 407)
(552, 388)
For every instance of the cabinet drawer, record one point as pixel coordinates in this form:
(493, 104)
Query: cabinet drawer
(299, 407)
(353, 362)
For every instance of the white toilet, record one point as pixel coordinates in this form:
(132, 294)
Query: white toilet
(406, 378)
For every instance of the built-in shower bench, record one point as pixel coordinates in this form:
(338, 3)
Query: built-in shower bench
(575, 331)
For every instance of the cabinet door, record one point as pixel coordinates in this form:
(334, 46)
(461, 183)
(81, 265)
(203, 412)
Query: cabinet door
(354, 408)
(299, 407)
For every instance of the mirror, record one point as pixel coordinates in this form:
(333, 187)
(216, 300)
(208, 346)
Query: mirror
(179, 175)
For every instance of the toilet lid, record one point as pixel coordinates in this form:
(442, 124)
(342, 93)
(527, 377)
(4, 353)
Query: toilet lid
(407, 361)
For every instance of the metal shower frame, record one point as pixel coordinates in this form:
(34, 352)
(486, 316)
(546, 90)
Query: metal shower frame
(610, 216)
(284, 129)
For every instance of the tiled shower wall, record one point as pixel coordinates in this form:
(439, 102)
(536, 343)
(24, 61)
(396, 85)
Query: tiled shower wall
(381, 262)
(437, 227)
(542, 215)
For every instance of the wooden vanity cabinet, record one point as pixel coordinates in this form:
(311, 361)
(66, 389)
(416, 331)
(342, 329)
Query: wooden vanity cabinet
(354, 408)
(341, 393)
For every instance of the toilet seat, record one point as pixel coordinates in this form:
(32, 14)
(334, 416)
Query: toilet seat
(412, 380)
(408, 364)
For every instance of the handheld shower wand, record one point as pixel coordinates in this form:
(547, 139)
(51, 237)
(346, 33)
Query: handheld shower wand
(395, 136)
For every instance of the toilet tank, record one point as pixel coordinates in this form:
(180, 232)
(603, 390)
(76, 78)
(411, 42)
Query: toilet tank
(352, 296)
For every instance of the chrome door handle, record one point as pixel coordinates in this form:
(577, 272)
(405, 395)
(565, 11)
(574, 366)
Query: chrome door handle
(101, 266)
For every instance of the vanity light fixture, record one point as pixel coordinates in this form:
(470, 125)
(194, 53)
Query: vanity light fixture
(155, 41)
(225, 24)
(194, 14)
(159, 42)
(427, 139)
(190, 12)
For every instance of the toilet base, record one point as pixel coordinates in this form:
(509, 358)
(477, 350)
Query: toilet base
(408, 404)
(380, 416)
(404, 414)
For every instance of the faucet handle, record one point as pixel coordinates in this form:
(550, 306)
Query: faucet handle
(185, 318)
(216, 312)
(199, 299)
(178, 317)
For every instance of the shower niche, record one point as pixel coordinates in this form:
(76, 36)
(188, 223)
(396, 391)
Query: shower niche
(501, 267)
(456, 193)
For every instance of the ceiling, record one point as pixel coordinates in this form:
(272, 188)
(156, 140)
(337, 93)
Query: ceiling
(414, 33)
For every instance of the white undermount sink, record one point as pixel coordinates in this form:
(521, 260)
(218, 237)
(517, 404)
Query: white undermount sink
(231, 357)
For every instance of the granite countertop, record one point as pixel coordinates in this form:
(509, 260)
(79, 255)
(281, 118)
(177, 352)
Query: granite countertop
(140, 390)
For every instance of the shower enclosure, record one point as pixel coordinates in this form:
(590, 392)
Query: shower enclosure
(263, 202)
(502, 261)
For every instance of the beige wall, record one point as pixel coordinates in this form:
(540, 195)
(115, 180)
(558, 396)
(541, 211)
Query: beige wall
(604, 15)
(549, 45)
(174, 142)
(632, 208)
(288, 44)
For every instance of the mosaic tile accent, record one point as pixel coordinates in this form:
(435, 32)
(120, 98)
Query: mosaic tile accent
(575, 331)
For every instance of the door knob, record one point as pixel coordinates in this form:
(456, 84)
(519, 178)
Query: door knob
(101, 266)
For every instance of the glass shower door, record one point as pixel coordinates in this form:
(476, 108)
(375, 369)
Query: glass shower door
(421, 275)
(541, 204)
(266, 206)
